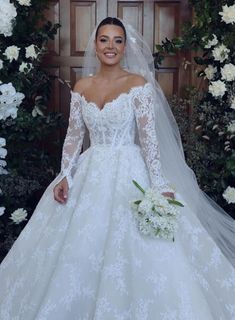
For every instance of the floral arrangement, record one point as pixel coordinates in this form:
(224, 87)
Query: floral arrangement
(25, 165)
(155, 214)
(213, 36)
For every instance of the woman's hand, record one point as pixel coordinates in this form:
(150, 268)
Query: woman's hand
(61, 191)
(169, 194)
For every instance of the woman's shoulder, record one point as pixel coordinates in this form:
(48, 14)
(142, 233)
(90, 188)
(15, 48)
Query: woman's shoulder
(82, 84)
(136, 80)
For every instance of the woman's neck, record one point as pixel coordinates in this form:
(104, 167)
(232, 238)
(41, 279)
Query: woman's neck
(110, 72)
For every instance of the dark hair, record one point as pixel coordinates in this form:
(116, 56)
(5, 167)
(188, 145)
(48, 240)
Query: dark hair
(111, 20)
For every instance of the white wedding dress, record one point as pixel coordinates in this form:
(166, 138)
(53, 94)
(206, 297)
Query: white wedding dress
(87, 260)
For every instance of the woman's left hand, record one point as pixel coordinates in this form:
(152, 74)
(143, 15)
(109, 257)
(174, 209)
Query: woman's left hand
(169, 194)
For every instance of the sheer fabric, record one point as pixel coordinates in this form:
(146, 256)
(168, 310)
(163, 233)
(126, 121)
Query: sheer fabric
(73, 140)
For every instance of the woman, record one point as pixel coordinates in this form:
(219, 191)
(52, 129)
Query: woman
(81, 256)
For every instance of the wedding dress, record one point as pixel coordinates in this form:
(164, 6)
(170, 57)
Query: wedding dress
(86, 259)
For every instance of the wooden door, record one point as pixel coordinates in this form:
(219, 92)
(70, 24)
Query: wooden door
(154, 19)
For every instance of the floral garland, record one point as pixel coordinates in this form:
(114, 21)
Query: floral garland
(18, 63)
(213, 34)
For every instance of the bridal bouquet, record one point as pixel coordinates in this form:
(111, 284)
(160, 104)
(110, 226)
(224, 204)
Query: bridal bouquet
(156, 214)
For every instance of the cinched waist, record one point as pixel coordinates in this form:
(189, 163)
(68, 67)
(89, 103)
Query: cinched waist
(113, 146)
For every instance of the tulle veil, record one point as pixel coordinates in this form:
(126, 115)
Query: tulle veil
(138, 58)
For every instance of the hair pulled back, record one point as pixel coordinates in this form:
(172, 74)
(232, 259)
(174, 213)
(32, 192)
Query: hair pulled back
(110, 20)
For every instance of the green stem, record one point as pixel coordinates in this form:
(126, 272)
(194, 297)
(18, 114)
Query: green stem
(175, 202)
(138, 186)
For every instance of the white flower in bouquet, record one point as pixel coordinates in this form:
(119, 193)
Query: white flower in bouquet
(232, 106)
(231, 126)
(156, 215)
(217, 88)
(25, 67)
(2, 210)
(31, 52)
(12, 53)
(9, 101)
(19, 215)
(1, 64)
(210, 71)
(7, 15)
(212, 42)
(220, 53)
(26, 3)
(229, 195)
(228, 14)
(228, 72)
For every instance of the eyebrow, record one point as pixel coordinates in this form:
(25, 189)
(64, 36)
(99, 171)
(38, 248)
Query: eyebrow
(107, 36)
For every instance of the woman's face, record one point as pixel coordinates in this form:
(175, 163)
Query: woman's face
(110, 44)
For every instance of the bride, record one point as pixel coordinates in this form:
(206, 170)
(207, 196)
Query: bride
(81, 256)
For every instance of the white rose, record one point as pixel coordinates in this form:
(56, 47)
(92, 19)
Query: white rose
(9, 101)
(229, 195)
(7, 15)
(220, 53)
(2, 142)
(228, 72)
(228, 14)
(2, 210)
(3, 163)
(31, 52)
(3, 153)
(19, 215)
(24, 2)
(233, 103)
(231, 126)
(25, 67)
(210, 72)
(12, 52)
(212, 42)
(1, 64)
(217, 88)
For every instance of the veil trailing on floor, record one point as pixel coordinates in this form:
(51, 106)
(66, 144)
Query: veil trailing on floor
(138, 59)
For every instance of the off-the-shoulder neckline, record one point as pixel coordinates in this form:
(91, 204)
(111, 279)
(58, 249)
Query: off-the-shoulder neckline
(76, 93)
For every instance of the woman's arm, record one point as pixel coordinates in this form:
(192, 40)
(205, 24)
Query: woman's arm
(74, 138)
(142, 102)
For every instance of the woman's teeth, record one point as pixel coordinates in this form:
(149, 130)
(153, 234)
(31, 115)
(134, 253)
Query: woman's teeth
(110, 55)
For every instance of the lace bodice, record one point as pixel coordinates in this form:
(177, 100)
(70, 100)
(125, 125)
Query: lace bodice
(115, 125)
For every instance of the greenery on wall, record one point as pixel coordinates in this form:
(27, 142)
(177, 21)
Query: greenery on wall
(212, 37)
(26, 164)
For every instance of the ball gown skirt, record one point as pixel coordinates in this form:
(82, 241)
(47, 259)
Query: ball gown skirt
(87, 260)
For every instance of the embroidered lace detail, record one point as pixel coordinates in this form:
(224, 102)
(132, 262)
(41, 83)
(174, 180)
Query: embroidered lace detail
(74, 138)
(142, 101)
(114, 126)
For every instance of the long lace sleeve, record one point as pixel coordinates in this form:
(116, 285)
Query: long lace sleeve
(73, 139)
(142, 101)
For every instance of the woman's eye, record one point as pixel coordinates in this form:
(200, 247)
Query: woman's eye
(102, 40)
(119, 41)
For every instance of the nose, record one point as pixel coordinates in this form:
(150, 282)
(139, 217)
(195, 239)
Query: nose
(110, 44)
